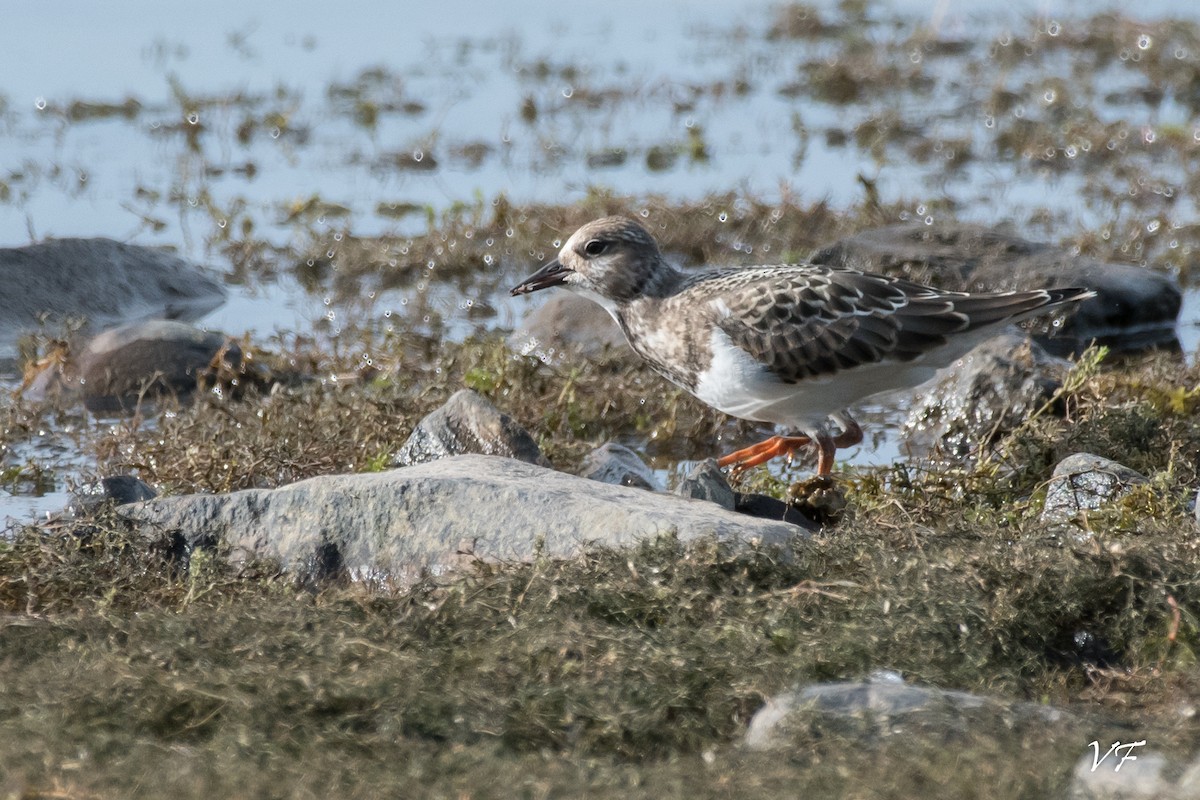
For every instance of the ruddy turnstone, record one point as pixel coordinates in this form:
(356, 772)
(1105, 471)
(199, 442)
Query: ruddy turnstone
(792, 344)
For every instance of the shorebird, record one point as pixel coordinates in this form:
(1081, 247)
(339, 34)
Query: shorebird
(792, 344)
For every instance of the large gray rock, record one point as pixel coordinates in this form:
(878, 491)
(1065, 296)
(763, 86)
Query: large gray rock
(434, 515)
(467, 423)
(989, 392)
(1084, 482)
(884, 705)
(143, 360)
(98, 279)
(1135, 307)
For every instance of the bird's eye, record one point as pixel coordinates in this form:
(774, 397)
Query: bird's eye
(595, 247)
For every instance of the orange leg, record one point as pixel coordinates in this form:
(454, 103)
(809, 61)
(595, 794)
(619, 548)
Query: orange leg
(763, 452)
(827, 447)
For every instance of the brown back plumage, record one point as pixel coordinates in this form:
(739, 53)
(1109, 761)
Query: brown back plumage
(805, 321)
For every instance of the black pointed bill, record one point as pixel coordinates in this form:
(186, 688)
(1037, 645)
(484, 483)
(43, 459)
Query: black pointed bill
(553, 274)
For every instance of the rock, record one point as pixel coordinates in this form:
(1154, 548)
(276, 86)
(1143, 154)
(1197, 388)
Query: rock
(884, 705)
(988, 392)
(566, 321)
(143, 360)
(617, 464)
(433, 516)
(1084, 482)
(1140, 776)
(707, 482)
(1135, 307)
(761, 506)
(467, 423)
(118, 489)
(101, 280)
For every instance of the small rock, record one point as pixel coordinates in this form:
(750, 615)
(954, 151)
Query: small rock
(617, 464)
(707, 482)
(117, 489)
(467, 423)
(144, 360)
(1139, 777)
(439, 515)
(988, 392)
(1084, 482)
(566, 321)
(762, 506)
(1135, 307)
(884, 705)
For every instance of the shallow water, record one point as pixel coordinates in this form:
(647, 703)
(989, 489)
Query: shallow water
(296, 119)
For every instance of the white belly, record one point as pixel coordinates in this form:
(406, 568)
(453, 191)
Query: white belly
(741, 387)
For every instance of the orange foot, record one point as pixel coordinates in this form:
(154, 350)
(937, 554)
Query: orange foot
(761, 453)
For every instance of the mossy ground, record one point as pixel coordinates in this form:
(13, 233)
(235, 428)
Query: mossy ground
(630, 673)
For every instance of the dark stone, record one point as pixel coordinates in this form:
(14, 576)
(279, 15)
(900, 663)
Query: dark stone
(617, 464)
(707, 482)
(98, 279)
(116, 489)
(145, 360)
(765, 507)
(989, 392)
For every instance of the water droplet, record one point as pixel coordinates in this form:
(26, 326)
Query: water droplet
(337, 237)
(221, 223)
(275, 132)
(40, 104)
(1053, 29)
(568, 92)
(723, 217)
(1144, 42)
(193, 118)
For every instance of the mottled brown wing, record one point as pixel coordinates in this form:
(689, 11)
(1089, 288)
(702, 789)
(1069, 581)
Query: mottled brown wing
(808, 321)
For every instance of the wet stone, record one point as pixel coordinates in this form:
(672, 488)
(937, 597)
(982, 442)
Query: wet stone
(117, 489)
(101, 280)
(468, 423)
(765, 507)
(124, 366)
(617, 464)
(707, 482)
(1084, 482)
(987, 393)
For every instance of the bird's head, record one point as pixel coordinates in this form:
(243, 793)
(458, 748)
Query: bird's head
(611, 260)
